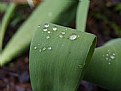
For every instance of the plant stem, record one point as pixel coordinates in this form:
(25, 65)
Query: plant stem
(82, 13)
(5, 22)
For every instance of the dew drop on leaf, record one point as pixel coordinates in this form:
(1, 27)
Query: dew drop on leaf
(108, 50)
(112, 57)
(48, 32)
(38, 26)
(73, 37)
(44, 49)
(61, 36)
(114, 54)
(44, 29)
(35, 47)
(49, 48)
(63, 33)
(47, 37)
(54, 28)
(40, 50)
(107, 54)
(46, 25)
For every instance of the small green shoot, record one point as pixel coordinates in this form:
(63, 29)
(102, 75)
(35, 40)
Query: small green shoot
(82, 13)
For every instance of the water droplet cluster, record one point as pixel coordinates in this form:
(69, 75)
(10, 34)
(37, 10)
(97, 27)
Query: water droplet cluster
(71, 37)
(42, 49)
(109, 56)
(50, 30)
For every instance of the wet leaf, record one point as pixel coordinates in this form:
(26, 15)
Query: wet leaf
(105, 67)
(59, 63)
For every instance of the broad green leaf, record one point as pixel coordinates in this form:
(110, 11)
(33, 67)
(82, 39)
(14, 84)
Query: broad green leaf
(47, 11)
(6, 21)
(59, 57)
(82, 13)
(105, 67)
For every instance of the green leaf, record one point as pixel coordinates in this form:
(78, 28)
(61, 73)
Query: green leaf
(0, 41)
(6, 21)
(82, 13)
(47, 11)
(3, 7)
(59, 57)
(105, 67)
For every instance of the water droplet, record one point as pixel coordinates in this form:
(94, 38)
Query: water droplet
(112, 57)
(44, 49)
(40, 50)
(106, 58)
(49, 48)
(54, 28)
(63, 33)
(44, 29)
(46, 25)
(114, 54)
(61, 36)
(38, 26)
(38, 44)
(109, 63)
(73, 37)
(47, 37)
(107, 54)
(108, 50)
(48, 32)
(35, 47)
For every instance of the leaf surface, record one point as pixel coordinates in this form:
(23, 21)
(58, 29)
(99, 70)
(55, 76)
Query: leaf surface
(105, 67)
(59, 57)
